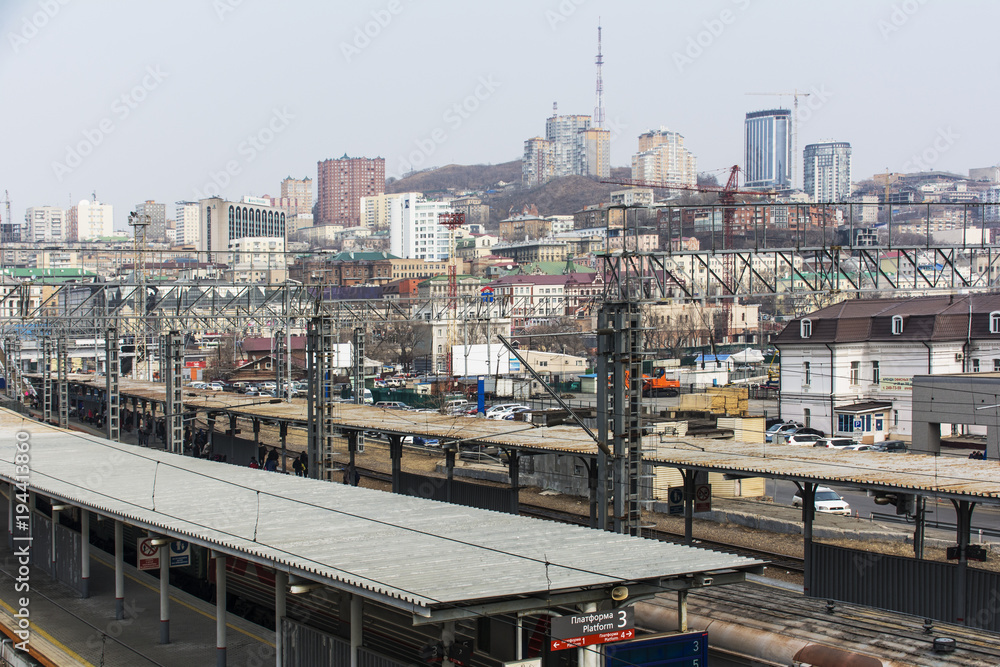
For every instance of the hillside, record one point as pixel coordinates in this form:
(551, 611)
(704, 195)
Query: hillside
(562, 196)
(458, 177)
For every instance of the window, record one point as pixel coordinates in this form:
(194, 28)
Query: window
(855, 372)
(995, 321)
(844, 423)
(875, 372)
(805, 328)
(897, 325)
(975, 365)
(895, 417)
(807, 373)
(807, 416)
(996, 365)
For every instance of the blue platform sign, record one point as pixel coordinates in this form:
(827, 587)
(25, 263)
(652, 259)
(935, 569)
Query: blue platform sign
(684, 650)
(180, 553)
(675, 500)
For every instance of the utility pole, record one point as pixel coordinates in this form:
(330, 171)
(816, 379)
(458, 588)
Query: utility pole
(139, 223)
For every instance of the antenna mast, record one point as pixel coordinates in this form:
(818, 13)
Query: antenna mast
(599, 109)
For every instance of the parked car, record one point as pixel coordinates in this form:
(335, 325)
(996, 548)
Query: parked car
(507, 411)
(776, 429)
(805, 430)
(862, 448)
(827, 501)
(805, 439)
(216, 386)
(891, 446)
(392, 405)
(835, 443)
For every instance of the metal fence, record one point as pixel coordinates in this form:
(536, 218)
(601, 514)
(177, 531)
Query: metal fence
(484, 497)
(304, 646)
(922, 588)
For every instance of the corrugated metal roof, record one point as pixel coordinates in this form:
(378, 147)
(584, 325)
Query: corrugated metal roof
(932, 475)
(418, 553)
(943, 476)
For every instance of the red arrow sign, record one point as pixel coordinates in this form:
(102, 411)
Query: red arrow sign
(587, 640)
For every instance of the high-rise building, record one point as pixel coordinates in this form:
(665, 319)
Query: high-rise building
(663, 157)
(297, 195)
(44, 224)
(768, 149)
(156, 231)
(991, 199)
(569, 154)
(597, 152)
(536, 166)
(186, 223)
(341, 185)
(90, 220)
(414, 229)
(221, 222)
(826, 171)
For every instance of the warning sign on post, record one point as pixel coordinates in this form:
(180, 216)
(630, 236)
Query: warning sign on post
(703, 498)
(147, 554)
(675, 500)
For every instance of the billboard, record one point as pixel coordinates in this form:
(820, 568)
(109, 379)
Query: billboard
(472, 359)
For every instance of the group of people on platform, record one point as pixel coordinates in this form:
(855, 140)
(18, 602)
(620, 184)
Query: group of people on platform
(269, 459)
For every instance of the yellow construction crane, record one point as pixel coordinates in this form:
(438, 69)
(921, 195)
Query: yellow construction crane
(795, 95)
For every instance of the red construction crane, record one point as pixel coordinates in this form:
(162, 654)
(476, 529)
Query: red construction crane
(727, 198)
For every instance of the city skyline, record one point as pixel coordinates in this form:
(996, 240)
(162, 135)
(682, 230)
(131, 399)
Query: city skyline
(168, 124)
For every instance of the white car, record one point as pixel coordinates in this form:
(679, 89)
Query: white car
(827, 501)
(835, 443)
(215, 386)
(198, 385)
(502, 407)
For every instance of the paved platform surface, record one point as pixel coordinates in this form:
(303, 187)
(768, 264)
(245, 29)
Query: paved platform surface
(76, 631)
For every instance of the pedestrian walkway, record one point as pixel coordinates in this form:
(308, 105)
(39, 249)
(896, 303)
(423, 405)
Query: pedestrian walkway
(70, 630)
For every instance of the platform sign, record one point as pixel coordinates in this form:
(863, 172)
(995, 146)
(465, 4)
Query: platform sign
(599, 627)
(180, 553)
(147, 554)
(684, 650)
(703, 498)
(675, 500)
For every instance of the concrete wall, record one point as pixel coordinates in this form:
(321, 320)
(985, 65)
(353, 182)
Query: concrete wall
(970, 398)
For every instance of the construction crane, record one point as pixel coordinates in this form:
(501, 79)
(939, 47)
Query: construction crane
(452, 221)
(727, 198)
(795, 95)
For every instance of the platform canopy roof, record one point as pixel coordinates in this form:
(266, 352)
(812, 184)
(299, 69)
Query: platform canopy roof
(436, 560)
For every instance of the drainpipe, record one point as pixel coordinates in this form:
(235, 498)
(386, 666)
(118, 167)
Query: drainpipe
(927, 345)
(833, 375)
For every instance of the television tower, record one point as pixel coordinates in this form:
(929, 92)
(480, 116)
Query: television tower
(599, 109)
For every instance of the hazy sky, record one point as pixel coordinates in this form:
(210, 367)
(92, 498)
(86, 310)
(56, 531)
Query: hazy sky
(174, 100)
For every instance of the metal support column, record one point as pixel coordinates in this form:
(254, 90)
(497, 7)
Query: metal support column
(84, 552)
(46, 379)
(358, 359)
(513, 471)
(278, 358)
(357, 616)
(319, 357)
(625, 404)
(8, 364)
(689, 484)
(283, 434)
(280, 608)
(963, 529)
(171, 365)
(807, 491)
(164, 554)
(449, 463)
(62, 375)
(604, 415)
(682, 611)
(919, 524)
(220, 609)
(119, 570)
(592, 486)
(396, 457)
